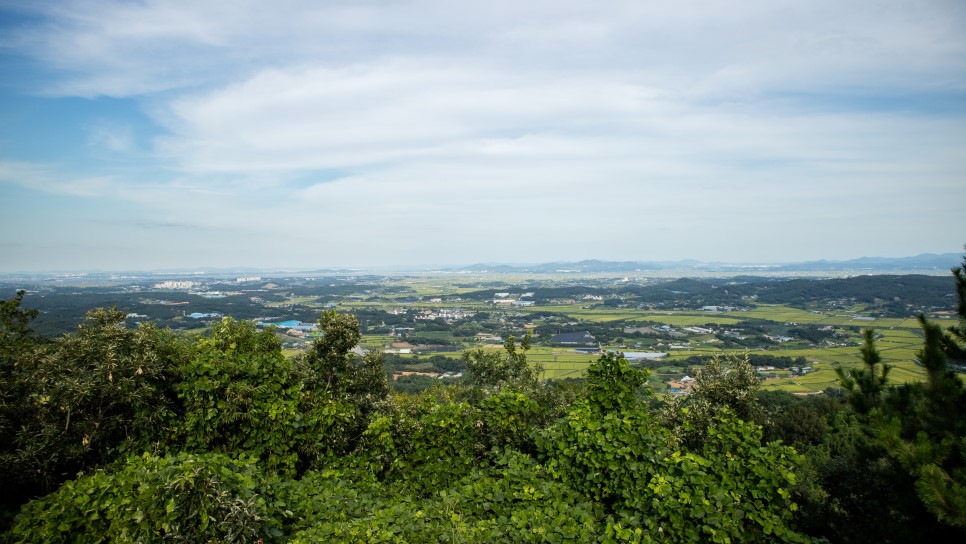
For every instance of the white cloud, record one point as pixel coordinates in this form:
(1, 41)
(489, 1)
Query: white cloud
(601, 124)
(122, 48)
(304, 119)
(42, 178)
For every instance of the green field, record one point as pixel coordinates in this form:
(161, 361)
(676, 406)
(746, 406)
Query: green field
(897, 339)
(898, 348)
(561, 370)
(684, 320)
(786, 314)
(304, 301)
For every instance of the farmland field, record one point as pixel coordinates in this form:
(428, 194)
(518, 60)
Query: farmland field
(685, 320)
(623, 314)
(898, 339)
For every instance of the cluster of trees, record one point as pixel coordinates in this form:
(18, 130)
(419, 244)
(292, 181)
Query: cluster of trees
(116, 434)
(922, 292)
(814, 334)
(755, 359)
(684, 293)
(891, 293)
(883, 462)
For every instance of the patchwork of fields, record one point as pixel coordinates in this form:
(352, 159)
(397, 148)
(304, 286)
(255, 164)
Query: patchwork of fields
(419, 318)
(897, 339)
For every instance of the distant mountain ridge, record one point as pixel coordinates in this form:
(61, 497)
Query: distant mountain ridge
(925, 262)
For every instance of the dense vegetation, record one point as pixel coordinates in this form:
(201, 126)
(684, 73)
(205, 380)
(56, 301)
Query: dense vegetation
(928, 291)
(120, 434)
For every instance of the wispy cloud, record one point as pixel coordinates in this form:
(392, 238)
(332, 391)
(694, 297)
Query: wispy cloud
(112, 137)
(448, 121)
(121, 48)
(43, 178)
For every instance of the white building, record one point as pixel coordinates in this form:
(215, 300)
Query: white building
(176, 284)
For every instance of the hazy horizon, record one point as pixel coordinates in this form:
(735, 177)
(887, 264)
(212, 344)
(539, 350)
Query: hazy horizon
(954, 260)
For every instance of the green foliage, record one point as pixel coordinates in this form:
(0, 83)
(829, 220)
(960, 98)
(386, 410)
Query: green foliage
(603, 455)
(865, 386)
(612, 384)
(525, 504)
(922, 291)
(911, 451)
(512, 403)
(955, 343)
(729, 384)
(755, 359)
(931, 445)
(798, 421)
(16, 340)
(321, 500)
(493, 369)
(853, 493)
(944, 389)
(15, 333)
(509, 418)
(512, 501)
(345, 389)
(735, 490)
(182, 498)
(421, 443)
(87, 397)
(240, 396)
(404, 446)
(732, 490)
(943, 495)
(926, 434)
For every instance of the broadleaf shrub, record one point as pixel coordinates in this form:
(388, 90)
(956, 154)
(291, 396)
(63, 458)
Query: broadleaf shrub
(180, 498)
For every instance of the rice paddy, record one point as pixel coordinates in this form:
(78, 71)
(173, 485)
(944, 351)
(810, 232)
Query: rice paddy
(898, 339)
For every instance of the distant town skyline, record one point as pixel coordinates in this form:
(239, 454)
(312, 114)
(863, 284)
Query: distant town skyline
(207, 133)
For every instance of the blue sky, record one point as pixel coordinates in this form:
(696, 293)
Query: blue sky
(195, 133)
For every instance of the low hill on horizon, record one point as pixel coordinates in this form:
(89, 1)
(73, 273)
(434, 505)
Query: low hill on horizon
(922, 263)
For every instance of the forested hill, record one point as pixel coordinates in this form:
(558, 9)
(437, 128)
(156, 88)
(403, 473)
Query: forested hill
(901, 294)
(926, 262)
(917, 290)
(911, 289)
